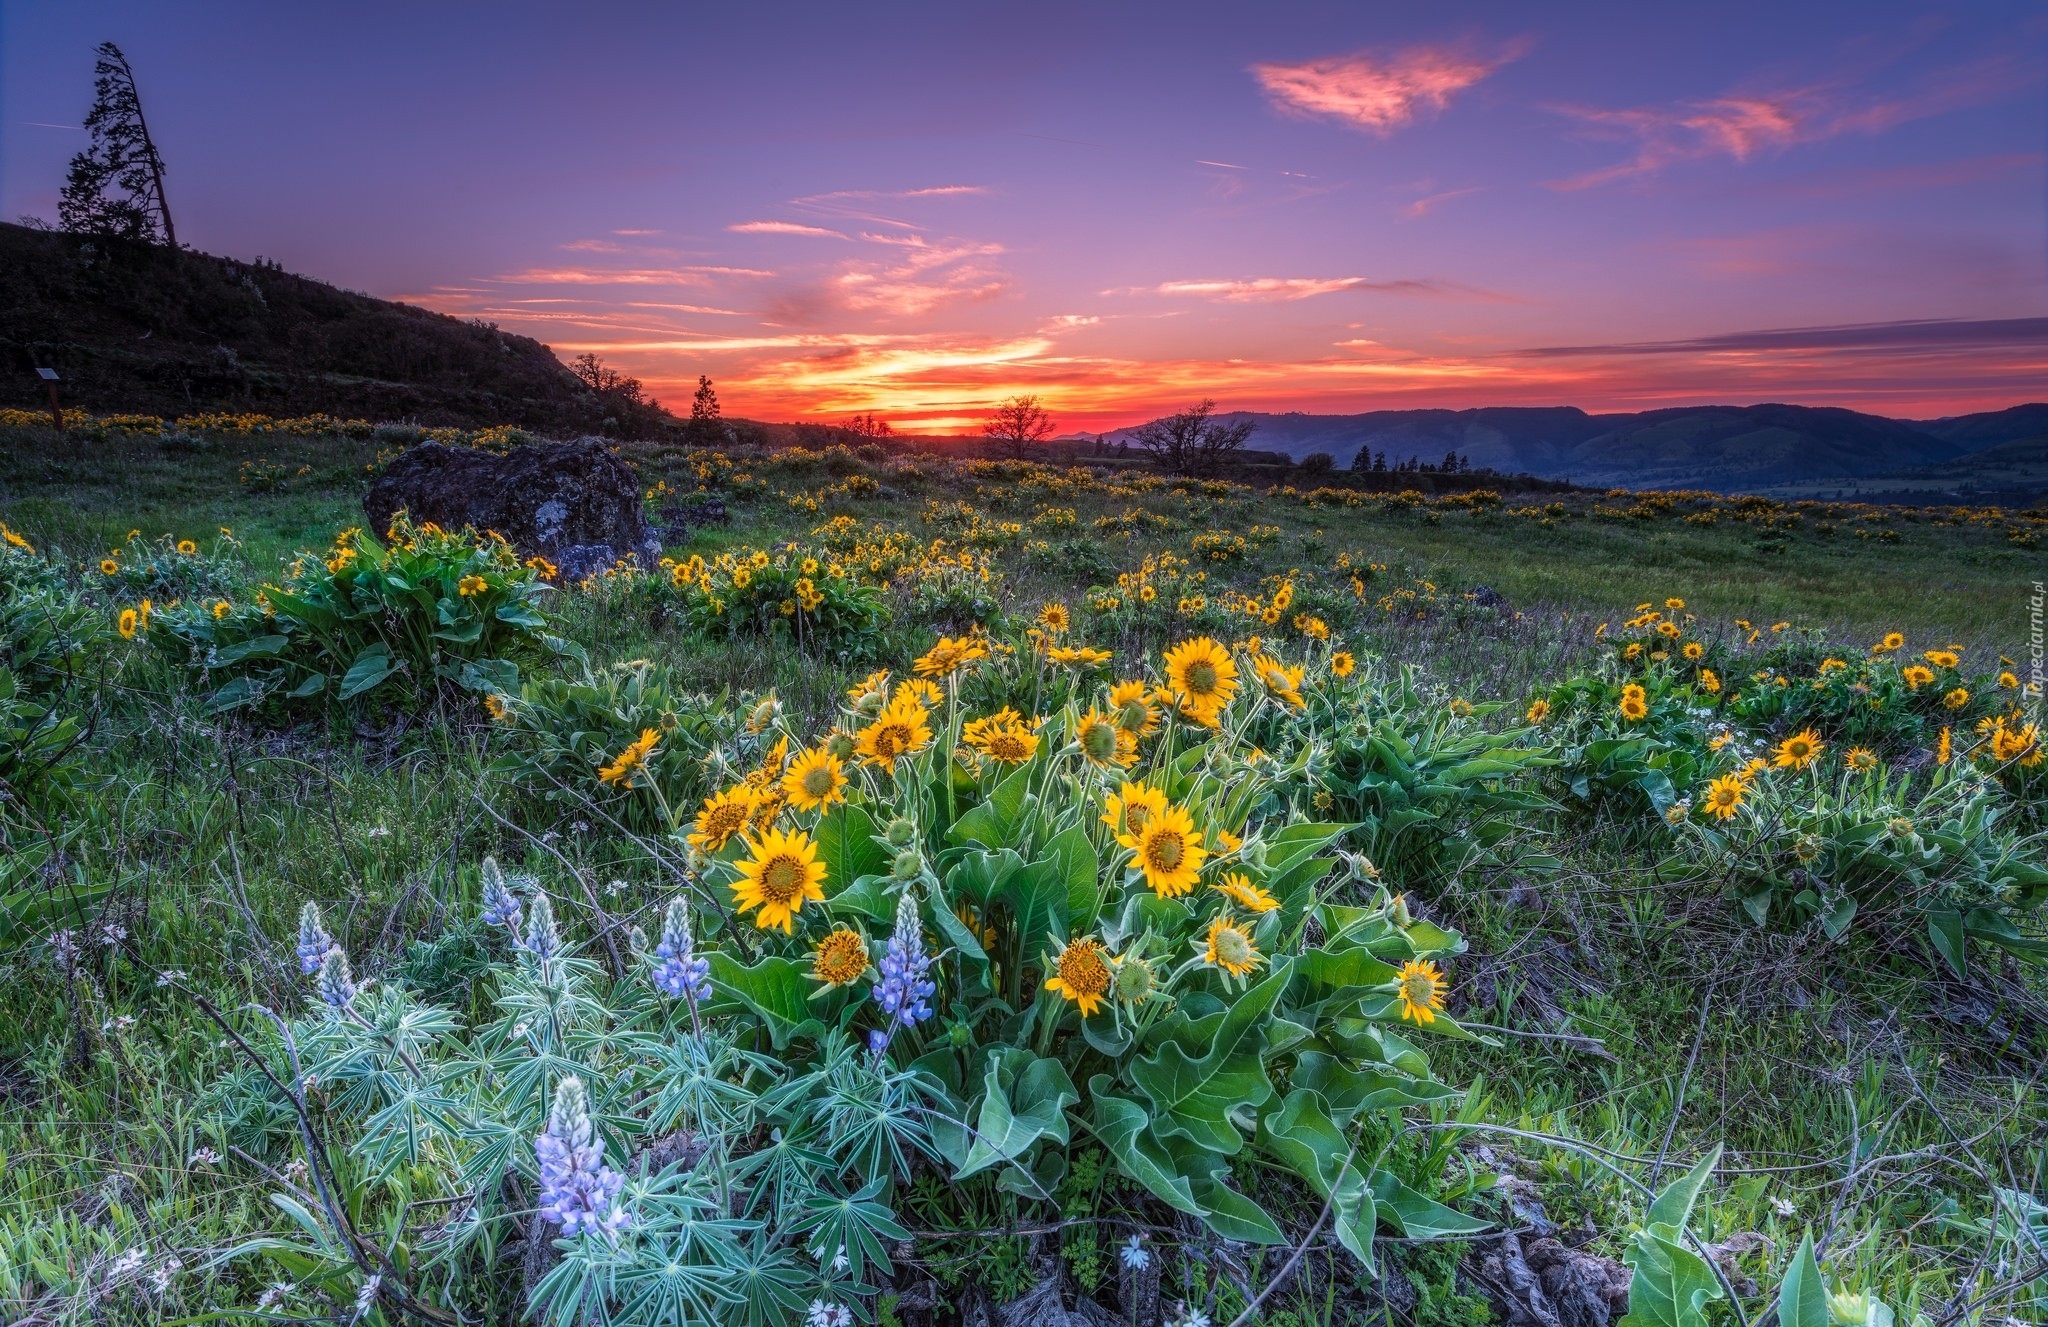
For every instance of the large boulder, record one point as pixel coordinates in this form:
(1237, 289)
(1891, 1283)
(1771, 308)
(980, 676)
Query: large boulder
(562, 500)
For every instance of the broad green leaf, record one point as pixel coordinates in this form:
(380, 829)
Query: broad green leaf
(1671, 1285)
(1302, 1134)
(775, 989)
(1194, 1095)
(371, 667)
(1416, 1216)
(1673, 1207)
(1803, 1295)
(1122, 1126)
(846, 844)
(1024, 1099)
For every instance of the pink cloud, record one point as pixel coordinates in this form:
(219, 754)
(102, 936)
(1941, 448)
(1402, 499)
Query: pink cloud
(783, 228)
(1377, 93)
(1742, 125)
(1286, 289)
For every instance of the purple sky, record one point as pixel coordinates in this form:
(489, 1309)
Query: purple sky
(1321, 207)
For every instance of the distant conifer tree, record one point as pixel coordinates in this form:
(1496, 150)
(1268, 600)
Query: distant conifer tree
(706, 426)
(116, 186)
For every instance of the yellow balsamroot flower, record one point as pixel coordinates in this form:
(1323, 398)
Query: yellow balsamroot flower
(1080, 656)
(900, 730)
(109, 567)
(1282, 682)
(1341, 663)
(187, 548)
(949, 656)
(628, 763)
(918, 691)
(2007, 679)
(1103, 744)
(1539, 710)
(1942, 658)
(1957, 698)
(1130, 808)
(17, 541)
(1226, 841)
(782, 871)
(1633, 651)
(1861, 759)
(126, 624)
(1010, 743)
(1710, 682)
(1247, 895)
(494, 705)
(1202, 676)
(1131, 703)
(1421, 988)
(1461, 708)
(1723, 797)
(1634, 704)
(841, 958)
(1080, 972)
(1229, 947)
(1694, 650)
(1916, 676)
(1892, 641)
(1169, 851)
(1799, 750)
(1668, 630)
(1944, 749)
(2019, 746)
(814, 780)
(741, 577)
(1054, 618)
(471, 585)
(1675, 605)
(724, 814)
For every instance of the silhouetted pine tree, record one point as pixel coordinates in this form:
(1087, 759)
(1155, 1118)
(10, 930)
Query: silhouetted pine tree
(116, 186)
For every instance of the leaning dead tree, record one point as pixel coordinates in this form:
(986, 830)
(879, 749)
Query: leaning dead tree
(116, 186)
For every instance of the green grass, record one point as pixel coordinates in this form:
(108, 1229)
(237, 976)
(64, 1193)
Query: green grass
(1807, 1055)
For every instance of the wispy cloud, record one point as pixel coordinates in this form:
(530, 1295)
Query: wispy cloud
(1745, 124)
(1423, 206)
(1374, 92)
(612, 276)
(1907, 333)
(783, 228)
(1286, 289)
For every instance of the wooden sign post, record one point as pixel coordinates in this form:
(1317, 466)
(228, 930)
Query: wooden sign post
(49, 377)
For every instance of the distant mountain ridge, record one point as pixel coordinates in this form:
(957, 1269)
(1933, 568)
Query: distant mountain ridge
(1723, 447)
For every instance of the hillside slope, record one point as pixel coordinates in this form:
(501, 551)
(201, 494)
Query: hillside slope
(140, 328)
(1724, 447)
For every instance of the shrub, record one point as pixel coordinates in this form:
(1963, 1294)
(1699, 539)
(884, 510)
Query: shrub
(931, 944)
(807, 597)
(367, 621)
(1830, 845)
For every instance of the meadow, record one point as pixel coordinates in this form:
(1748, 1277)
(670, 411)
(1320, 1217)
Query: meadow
(955, 882)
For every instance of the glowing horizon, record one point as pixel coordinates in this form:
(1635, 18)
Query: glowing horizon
(920, 214)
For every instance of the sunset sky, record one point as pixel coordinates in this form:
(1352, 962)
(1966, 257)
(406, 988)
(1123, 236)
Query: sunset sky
(919, 210)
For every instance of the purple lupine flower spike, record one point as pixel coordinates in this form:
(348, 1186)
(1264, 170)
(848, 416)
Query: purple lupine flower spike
(542, 940)
(904, 991)
(680, 972)
(501, 905)
(337, 983)
(577, 1190)
(314, 941)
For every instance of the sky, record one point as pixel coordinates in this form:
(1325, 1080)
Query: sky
(921, 210)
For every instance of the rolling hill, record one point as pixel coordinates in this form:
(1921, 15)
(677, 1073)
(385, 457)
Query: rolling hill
(1723, 447)
(140, 328)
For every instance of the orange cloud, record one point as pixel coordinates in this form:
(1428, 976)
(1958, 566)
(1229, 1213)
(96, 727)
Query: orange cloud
(1375, 93)
(612, 276)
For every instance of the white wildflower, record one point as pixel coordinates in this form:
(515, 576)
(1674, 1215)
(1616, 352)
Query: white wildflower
(1135, 1255)
(274, 1295)
(167, 977)
(126, 1265)
(366, 1298)
(823, 1313)
(1784, 1206)
(205, 1156)
(380, 833)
